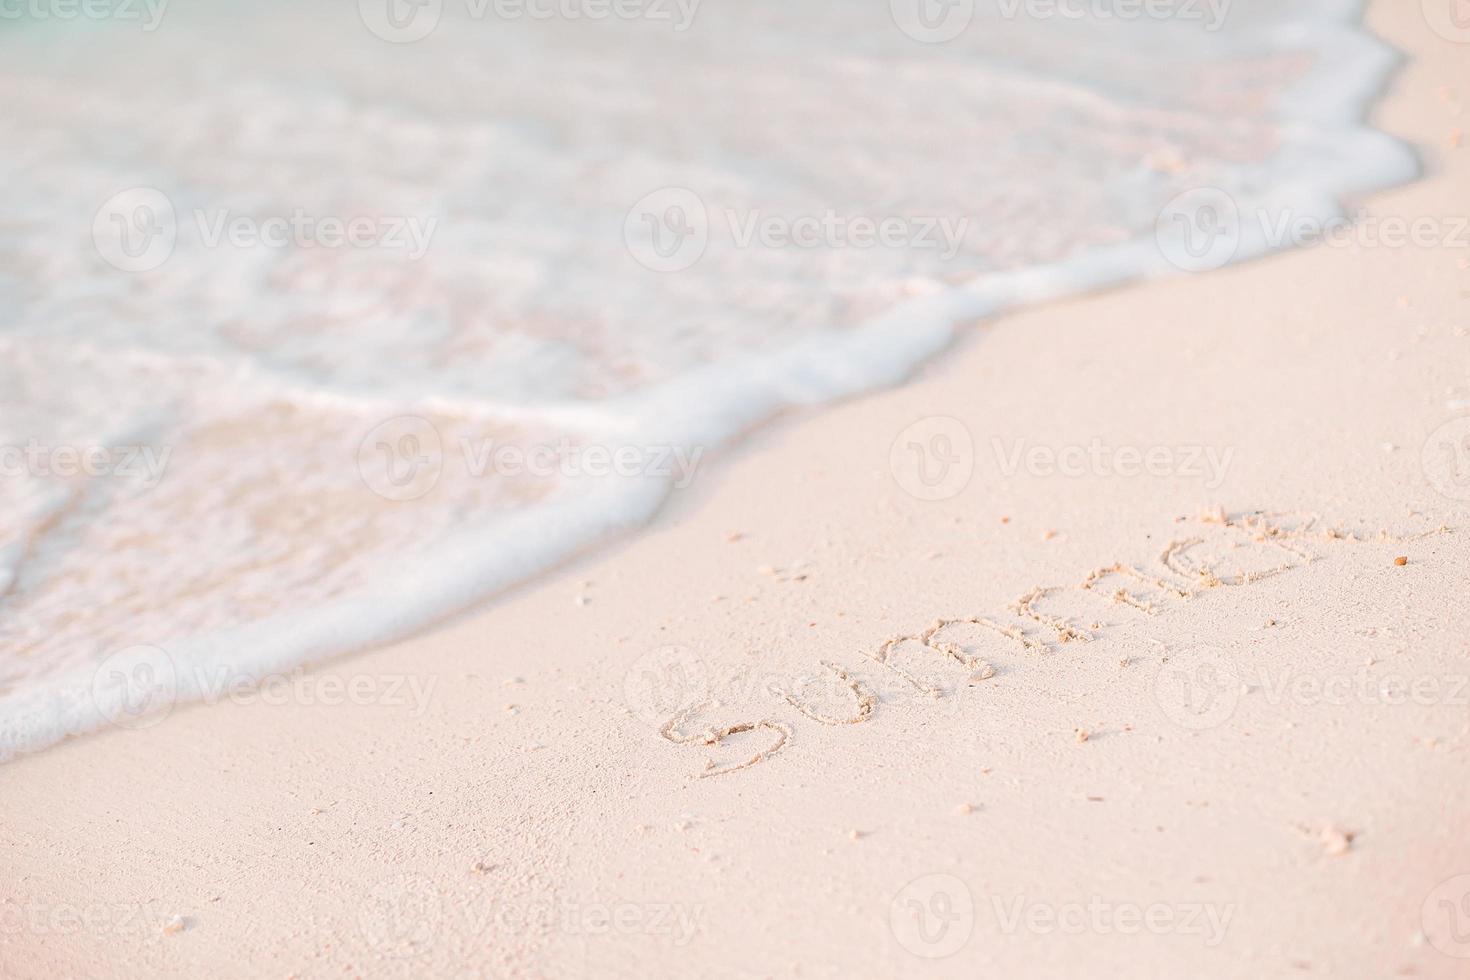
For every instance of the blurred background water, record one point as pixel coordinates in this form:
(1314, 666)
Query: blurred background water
(308, 265)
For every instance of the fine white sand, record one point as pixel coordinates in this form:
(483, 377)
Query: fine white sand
(1264, 778)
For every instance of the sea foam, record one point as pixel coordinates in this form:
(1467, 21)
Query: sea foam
(579, 237)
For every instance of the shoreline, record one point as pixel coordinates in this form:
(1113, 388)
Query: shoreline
(536, 814)
(884, 351)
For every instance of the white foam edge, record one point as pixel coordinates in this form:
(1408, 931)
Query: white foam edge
(426, 588)
(1330, 153)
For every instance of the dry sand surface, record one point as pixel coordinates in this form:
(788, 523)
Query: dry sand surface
(1242, 752)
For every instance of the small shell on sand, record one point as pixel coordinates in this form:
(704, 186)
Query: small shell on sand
(1401, 560)
(1083, 735)
(177, 924)
(1336, 842)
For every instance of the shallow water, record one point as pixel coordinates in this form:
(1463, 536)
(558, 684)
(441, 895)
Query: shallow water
(313, 332)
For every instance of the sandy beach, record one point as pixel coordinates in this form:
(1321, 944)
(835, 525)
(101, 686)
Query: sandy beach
(1128, 638)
